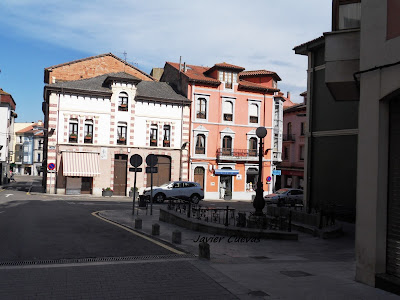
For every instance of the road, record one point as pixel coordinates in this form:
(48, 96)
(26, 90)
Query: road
(69, 246)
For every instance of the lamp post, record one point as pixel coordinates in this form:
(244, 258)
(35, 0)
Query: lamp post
(259, 202)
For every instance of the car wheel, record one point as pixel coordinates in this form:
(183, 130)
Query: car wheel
(160, 198)
(195, 198)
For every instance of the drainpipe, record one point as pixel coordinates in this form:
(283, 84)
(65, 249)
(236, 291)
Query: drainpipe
(310, 137)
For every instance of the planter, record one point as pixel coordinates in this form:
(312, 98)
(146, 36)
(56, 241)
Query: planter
(107, 193)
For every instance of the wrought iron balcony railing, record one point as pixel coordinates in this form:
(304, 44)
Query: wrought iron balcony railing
(289, 137)
(229, 153)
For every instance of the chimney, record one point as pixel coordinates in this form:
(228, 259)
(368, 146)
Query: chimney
(184, 67)
(180, 63)
(288, 95)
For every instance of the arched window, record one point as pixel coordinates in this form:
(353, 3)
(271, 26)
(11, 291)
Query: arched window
(121, 132)
(253, 113)
(88, 132)
(228, 110)
(253, 146)
(123, 101)
(200, 144)
(227, 145)
(201, 109)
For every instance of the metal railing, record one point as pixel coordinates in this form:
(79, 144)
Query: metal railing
(289, 137)
(237, 153)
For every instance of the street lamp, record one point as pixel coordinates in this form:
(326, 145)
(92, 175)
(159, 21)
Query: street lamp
(259, 202)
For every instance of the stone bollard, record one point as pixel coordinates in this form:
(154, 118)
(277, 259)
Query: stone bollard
(176, 237)
(204, 250)
(155, 229)
(138, 223)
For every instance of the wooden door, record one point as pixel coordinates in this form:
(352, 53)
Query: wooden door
(199, 176)
(120, 167)
(86, 185)
(164, 171)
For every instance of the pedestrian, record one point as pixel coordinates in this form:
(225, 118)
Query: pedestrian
(12, 176)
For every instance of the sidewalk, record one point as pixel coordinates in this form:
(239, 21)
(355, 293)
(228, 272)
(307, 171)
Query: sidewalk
(310, 268)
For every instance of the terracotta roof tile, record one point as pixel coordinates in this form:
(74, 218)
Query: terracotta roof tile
(252, 85)
(230, 66)
(196, 73)
(258, 73)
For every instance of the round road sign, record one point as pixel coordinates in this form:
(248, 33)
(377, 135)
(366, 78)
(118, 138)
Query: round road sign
(268, 178)
(136, 160)
(151, 160)
(51, 166)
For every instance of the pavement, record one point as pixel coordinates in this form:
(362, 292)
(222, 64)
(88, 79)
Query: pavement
(310, 268)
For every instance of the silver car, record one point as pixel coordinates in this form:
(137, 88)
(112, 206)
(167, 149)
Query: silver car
(185, 190)
(286, 196)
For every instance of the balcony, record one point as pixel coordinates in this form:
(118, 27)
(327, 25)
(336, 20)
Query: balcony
(237, 154)
(342, 60)
(289, 137)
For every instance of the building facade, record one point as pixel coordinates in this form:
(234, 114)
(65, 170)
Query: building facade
(7, 118)
(228, 104)
(353, 113)
(95, 125)
(28, 149)
(293, 146)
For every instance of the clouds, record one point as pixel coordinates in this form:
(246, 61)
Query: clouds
(257, 34)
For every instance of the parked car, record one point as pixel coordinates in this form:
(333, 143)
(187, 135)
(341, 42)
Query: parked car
(284, 197)
(185, 190)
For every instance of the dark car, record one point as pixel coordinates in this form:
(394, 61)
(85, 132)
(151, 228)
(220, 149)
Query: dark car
(286, 196)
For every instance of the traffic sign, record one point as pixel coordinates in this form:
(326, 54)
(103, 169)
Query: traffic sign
(151, 169)
(135, 169)
(276, 172)
(269, 178)
(151, 160)
(136, 160)
(51, 166)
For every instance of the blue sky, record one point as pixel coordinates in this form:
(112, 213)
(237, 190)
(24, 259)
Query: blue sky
(256, 34)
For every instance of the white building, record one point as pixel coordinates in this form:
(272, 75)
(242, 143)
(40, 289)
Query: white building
(7, 116)
(95, 125)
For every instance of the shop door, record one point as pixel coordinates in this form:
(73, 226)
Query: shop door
(225, 187)
(86, 185)
(120, 167)
(393, 232)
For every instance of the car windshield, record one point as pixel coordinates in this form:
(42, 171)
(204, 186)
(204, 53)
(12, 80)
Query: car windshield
(281, 191)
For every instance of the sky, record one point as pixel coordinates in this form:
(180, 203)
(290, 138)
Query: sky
(254, 34)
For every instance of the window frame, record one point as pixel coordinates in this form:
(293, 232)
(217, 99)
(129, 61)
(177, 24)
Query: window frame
(200, 150)
(166, 136)
(73, 130)
(153, 135)
(122, 133)
(88, 132)
(232, 114)
(258, 113)
(123, 101)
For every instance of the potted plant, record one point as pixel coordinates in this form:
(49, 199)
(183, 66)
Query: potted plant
(136, 192)
(107, 192)
(88, 137)
(73, 136)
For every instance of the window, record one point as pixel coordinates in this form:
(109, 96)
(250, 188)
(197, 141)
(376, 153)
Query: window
(200, 144)
(285, 153)
(40, 144)
(227, 108)
(88, 132)
(346, 14)
(227, 146)
(251, 179)
(38, 157)
(121, 133)
(73, 130)
(167, 136)
(123, 102)
(153, 135)
(201, 108)
(301, 152)
(253, 146)
(302, 128)
(253, 113)
(228, 77)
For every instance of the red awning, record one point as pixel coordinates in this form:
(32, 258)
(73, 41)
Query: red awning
(81, 164)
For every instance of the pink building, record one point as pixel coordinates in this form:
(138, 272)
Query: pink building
(293, 146)
(228, 104)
